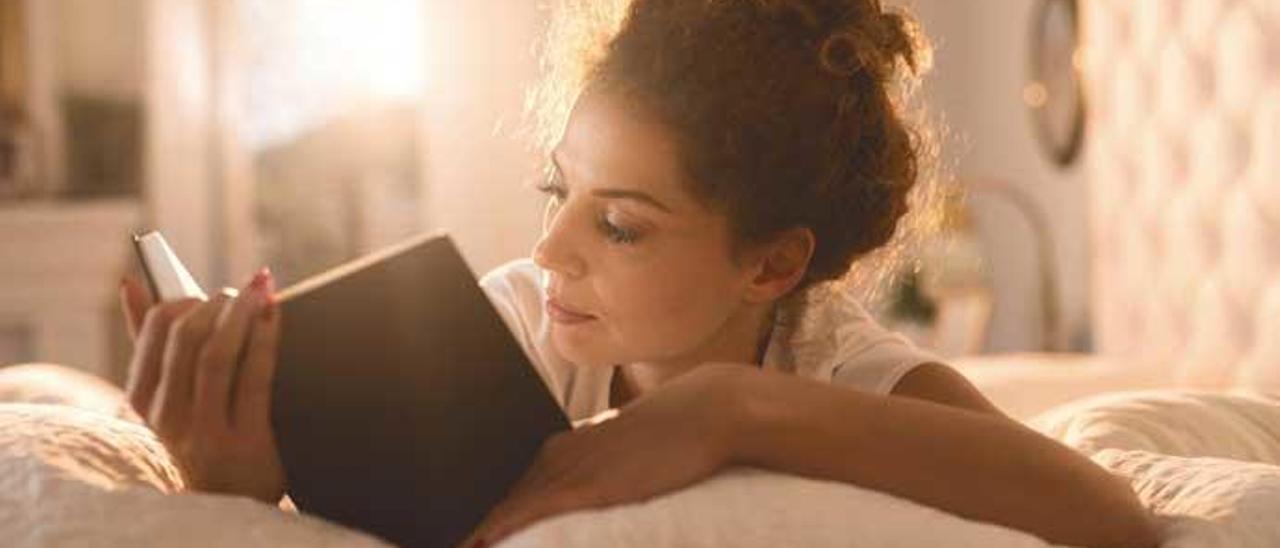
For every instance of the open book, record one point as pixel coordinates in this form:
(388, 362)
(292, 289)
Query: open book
(402, 405)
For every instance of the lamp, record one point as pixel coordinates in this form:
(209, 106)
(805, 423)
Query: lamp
(1051, 332)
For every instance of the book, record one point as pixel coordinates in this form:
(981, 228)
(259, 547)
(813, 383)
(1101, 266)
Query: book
(402, 405)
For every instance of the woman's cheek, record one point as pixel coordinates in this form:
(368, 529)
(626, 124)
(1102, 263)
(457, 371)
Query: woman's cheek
(662, 321)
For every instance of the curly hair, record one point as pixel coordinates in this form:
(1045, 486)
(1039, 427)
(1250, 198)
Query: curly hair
(787, 112)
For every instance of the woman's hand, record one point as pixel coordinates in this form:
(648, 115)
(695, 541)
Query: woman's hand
(200, 377)
(666, 440)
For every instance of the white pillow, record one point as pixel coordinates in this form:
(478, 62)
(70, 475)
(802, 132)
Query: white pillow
(1242, 426)
(1203, 502)
(1204, 463)
(72, 477)
(59, 384)
(752, 508)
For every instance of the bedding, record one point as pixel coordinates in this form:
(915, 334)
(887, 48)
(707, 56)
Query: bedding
(55, 384)
(754, 508)
(72, 477)
(1239, 425)
(1203, 502)
(1197, 502)
(78, 477)
(1207, 464)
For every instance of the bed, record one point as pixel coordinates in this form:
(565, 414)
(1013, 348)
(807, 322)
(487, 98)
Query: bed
(1182, 396)
(78, 469)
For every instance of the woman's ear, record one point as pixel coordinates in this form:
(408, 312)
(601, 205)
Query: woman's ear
(780, 264)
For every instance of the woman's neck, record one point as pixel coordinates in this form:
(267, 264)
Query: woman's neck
(742, 339)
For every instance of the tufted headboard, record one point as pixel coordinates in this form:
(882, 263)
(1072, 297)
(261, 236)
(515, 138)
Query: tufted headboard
(1184, 183)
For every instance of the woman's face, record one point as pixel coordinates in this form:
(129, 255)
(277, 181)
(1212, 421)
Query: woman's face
(646, 266)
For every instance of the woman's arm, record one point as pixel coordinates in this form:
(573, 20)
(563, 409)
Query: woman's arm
(968, 459)
(956, 453)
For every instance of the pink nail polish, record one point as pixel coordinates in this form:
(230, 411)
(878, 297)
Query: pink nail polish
(259, 280)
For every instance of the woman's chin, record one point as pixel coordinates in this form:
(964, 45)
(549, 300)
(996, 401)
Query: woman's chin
(582, 344)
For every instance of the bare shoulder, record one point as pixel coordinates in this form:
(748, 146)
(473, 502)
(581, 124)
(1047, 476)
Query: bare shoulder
(942, 384)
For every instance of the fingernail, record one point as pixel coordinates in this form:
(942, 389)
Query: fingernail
(260, 279)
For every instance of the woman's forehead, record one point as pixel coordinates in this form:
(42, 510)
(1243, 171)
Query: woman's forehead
(609, 144)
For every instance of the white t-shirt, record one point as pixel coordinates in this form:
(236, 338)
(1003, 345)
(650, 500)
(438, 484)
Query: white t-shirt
(835, 340)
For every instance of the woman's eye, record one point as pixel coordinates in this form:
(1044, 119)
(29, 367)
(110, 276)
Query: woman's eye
(616, 233)
(557, 193)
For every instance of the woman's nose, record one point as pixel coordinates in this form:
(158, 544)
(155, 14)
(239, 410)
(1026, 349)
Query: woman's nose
(554, 251)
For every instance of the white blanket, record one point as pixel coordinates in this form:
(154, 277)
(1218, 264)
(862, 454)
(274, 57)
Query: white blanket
(1242, 425)
(1206, 464)
(1204, 502)
(752, 508)
(71, 477)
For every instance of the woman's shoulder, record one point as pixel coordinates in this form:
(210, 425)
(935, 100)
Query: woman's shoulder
(835, 338)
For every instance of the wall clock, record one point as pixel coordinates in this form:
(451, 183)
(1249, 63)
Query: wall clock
(1055, 92)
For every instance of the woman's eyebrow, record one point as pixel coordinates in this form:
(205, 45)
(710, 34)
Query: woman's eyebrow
(619, 193)
(632, 195)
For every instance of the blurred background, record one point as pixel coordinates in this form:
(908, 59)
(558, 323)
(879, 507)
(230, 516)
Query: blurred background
(301, 133)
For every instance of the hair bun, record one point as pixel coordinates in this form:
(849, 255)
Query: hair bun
(902, 38)
(871, 45)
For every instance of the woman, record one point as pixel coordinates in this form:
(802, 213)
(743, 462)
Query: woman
(723, 162)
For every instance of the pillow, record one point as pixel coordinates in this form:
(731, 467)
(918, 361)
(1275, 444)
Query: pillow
(46, 446)
(53, 383)
(1241, 426)
(753, 508)
(1203, 502)
(73, 477)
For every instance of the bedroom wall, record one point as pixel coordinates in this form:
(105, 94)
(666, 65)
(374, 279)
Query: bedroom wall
(976, 91)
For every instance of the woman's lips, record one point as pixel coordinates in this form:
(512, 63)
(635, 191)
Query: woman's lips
(561, 314)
